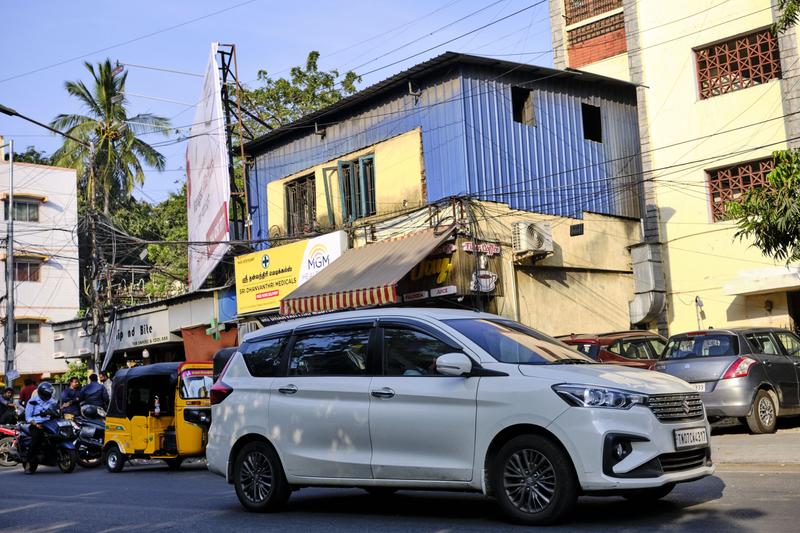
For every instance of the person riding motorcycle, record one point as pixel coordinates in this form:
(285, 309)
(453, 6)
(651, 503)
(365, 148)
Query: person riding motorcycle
(39, 410)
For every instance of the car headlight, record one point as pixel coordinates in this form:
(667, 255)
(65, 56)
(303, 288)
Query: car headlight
(600, 397)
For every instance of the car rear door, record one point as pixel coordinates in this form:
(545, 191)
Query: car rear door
(790, 344)
(422, 424)
(778, 367)
(319, 410)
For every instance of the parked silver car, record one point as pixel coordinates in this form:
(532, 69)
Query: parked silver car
(749, 373)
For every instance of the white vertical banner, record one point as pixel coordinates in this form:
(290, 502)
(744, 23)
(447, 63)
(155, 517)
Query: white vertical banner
(207, 180)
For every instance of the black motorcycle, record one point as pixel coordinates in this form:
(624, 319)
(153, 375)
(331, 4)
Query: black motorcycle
(91, 429)
(57, 447)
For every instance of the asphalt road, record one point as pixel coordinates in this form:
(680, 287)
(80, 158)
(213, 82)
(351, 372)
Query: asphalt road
(151, 498)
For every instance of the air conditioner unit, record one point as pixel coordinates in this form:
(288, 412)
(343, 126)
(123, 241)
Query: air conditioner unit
(248, 327)
(533, 238)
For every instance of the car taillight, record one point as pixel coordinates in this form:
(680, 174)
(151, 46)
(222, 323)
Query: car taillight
(739, 368)
(220, 391)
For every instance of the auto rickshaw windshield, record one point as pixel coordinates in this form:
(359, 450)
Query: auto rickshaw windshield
(196, 383)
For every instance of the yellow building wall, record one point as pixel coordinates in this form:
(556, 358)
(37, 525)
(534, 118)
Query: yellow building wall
(613, 67)
(399, 181)
(701, 255)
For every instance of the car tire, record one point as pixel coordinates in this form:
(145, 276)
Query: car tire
(380, 492)
(114, 459)
(258, 476)
(174, 464)
(67, 460)
(533, 480)
(648, 495)
(763, 415)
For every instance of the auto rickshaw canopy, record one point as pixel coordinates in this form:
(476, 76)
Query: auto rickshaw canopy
(135, 389)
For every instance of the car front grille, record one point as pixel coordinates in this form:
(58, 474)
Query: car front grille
(679, 461)
(676, 407)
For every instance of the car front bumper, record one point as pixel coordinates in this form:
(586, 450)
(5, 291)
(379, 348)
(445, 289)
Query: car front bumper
(652, 459)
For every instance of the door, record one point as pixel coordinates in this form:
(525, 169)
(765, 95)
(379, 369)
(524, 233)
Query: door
(791, 347)
(422, 424)
(779, 368)
(318, 411)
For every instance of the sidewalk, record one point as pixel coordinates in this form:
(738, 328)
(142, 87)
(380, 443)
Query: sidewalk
(735, 445)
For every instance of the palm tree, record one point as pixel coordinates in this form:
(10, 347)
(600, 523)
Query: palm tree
(118, 151)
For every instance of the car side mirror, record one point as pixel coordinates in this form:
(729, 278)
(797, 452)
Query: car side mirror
(454, 364)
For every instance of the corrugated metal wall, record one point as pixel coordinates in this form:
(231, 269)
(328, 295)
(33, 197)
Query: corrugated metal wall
(472, 145)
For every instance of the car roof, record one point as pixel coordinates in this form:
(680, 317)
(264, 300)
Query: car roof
(614, 335)
(728, 331)
(433, 313)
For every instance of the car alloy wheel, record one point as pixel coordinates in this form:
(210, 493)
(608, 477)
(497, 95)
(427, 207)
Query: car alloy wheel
(256, 477)
(529, 481)
(766, 411)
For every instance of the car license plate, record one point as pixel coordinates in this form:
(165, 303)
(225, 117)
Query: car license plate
(699, 387)
(690, 438)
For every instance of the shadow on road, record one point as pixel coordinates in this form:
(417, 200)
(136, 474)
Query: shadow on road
(732, 426)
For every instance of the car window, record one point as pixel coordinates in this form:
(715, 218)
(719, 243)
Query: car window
(587, 348)
(330, 353)
(263, 358)
(615, 347)
(657, 345)
(701, 346)
(511, 342)
(635, 349)
(790, 342)
(408, 352)
(762, 343)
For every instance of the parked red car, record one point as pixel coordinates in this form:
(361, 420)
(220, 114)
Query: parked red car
(640, 349)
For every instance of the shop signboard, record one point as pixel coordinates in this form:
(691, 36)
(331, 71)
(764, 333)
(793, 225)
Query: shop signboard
(143, 330)
(264, 278)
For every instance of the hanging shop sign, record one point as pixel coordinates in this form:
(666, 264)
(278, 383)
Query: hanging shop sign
(456, 268)
(263, 278)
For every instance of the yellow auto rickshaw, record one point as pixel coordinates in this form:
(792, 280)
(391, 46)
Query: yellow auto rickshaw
(159, 411)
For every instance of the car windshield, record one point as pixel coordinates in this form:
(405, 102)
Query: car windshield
(701, 346)
(196, 383)
(511, 342)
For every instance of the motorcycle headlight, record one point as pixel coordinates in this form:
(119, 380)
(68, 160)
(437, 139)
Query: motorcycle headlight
(599, 397)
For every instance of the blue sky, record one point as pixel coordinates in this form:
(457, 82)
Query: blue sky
(271, 35)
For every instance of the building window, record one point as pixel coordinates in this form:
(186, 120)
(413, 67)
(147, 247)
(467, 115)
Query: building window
(26, 270)
(578, 10)
(23, 211)
(728, 183)
(27, 332)
(357, 186)
(522, 106)
(301, 205)
(738, 64)
(592, 125)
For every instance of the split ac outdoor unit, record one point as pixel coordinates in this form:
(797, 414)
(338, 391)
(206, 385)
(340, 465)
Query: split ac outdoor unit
(248, 327)
(532, 237)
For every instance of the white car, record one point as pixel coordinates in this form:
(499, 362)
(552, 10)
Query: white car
(398, 398)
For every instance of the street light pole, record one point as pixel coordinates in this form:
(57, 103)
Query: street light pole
(10, 332)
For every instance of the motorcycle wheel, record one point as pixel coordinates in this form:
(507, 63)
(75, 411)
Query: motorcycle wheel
(30, 467)
(67, 460)
(6, 451)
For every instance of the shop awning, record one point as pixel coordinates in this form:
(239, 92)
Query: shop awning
(364, 276)
(764, 281)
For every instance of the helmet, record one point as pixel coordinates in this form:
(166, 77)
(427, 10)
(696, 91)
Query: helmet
(89, 411)
(45, 390)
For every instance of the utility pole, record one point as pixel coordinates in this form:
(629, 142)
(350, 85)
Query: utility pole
(97, 308)
(11, 328)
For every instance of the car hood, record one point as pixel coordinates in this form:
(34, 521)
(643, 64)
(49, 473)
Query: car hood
(632, 379)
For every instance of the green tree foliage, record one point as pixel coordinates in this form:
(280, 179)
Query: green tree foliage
(32, 155)
(75, 370)
(770, 215)
(789, 14)
(119, 152)
(278, 102)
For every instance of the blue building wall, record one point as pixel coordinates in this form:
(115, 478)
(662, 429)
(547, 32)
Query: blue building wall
(471, 144)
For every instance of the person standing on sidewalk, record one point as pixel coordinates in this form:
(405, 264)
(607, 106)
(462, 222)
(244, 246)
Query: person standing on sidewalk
(94, 393)
(106, 382)
(70, 400)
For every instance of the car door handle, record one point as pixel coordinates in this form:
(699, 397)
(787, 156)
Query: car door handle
(766, 362)
(290, 389)
(385, 392)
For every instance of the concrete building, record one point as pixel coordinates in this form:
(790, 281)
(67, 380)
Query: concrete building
(506, 143)
(717, 93)
(46, 285)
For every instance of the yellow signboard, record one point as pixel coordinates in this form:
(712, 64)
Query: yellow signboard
(264, 278)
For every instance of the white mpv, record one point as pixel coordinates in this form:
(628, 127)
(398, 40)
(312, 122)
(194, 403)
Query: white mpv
(397, 398)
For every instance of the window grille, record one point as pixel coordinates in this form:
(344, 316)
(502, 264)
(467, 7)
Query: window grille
(738, 64)
(578, 10)
(728, 183)
(301, 205)
(357, 187)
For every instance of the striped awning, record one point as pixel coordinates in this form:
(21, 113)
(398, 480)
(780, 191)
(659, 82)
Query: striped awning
(363, 277)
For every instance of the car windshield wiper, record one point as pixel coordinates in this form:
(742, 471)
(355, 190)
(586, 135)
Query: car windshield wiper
(572, 361)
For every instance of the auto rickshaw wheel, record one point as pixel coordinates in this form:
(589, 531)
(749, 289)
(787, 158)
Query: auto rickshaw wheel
(258, 476)
(67, 460)
(175, 463)
(114, 459)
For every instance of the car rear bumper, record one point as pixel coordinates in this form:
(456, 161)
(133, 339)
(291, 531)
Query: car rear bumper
(728, 397)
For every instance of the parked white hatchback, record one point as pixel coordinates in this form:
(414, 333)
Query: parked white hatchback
(400, 398)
